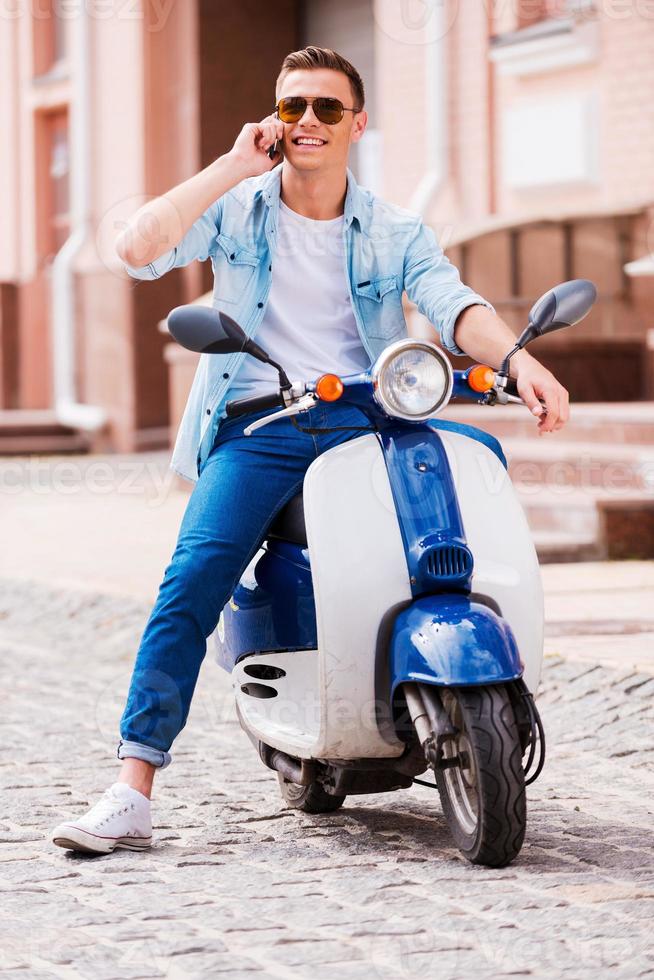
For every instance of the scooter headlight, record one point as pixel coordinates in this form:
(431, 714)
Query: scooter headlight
(412, 379)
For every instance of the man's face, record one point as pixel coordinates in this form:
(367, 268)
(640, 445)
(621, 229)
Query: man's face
(332, 151)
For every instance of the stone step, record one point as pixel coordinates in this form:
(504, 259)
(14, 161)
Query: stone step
(612, 468)
(614, 423)
(588, 524)
(566, 511)
(557, 546)
(37, 431)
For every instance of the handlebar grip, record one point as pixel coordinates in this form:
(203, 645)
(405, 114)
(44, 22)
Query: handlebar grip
(511, 387)
(258, 403)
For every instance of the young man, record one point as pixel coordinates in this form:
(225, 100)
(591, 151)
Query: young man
(316, 267)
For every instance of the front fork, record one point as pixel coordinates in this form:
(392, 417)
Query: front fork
(432, 724)
(434, 727)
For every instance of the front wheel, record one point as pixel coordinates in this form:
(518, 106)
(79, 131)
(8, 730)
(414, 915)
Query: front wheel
(309, 799)
(483, 792)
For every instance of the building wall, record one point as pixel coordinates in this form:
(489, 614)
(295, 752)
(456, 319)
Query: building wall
(9, 161)
(557, 157)
(612, 90)
(170, 90)
(617, 84)
(626, 86)
(471, 142)
(401, 80)
(347, 26)
(171, 87)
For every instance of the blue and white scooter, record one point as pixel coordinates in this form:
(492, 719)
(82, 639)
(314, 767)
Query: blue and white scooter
(393, 620)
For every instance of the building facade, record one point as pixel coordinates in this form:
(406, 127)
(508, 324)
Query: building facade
(522, 130)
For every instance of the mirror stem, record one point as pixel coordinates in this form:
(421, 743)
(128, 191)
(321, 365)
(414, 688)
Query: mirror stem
(251, 348)
(284, 383)
(504, 369)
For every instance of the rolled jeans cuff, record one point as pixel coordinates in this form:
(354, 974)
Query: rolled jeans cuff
(136, 750)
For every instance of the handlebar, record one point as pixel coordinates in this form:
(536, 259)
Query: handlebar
(257, 403)
(260, 403)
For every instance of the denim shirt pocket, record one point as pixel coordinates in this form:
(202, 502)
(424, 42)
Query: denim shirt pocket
(233, 267)
(380, 303)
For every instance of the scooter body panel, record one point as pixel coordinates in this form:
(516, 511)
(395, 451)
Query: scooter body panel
(283, 710)
(505, 563)
(451, 641)
(360, 572)
(427, 509)
(272, 607)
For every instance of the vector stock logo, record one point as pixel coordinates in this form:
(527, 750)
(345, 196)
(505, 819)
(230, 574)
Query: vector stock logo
(415, 22)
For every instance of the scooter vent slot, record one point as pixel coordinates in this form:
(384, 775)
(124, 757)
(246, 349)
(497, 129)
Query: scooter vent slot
(448, 563)
(264, 672)
(259, 690)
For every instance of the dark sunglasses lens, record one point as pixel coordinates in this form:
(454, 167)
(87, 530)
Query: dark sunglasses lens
(329, 111)
(290, 110)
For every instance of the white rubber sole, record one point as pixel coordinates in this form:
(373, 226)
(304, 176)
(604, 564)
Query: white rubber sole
(75, 839)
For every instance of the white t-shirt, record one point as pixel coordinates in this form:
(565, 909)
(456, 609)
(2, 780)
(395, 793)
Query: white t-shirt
(308, 325)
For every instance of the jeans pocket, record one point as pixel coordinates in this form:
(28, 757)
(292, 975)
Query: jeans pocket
(228, 427)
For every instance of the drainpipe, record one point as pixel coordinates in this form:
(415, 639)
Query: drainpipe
(68, 409)
(437, 115)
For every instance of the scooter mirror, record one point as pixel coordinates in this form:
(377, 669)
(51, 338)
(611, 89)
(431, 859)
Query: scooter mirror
(562, 306)
(205, 330)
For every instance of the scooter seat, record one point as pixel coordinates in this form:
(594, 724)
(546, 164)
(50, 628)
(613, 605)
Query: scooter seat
(289, 524)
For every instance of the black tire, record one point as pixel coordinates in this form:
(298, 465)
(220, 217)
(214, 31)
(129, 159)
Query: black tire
(309, 799)
(484, 803)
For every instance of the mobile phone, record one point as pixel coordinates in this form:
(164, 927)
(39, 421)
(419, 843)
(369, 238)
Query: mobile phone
(272, 150)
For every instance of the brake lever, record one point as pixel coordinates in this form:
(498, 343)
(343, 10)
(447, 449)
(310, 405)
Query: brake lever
(502, 396)
(303, 404)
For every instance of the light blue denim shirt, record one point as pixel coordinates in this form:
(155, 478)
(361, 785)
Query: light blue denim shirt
(387, 250)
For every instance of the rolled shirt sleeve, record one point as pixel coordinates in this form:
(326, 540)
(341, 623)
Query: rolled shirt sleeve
(434, 285)
(199, 243)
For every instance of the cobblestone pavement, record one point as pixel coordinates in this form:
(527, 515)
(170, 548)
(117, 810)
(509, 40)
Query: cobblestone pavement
(238, 885)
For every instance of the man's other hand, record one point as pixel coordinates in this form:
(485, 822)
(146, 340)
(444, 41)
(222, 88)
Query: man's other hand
(535, 382)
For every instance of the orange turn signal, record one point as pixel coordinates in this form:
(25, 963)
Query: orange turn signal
(481, 378)
(329, 388)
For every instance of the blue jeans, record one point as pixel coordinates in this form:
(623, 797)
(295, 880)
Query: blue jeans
(244, 482)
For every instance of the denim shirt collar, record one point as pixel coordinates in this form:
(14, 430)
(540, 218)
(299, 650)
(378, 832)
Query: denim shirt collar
(355, 203)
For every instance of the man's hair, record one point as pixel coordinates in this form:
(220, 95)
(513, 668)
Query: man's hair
(312, 57)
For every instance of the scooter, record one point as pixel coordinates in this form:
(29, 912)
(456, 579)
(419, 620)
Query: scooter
(393, 620)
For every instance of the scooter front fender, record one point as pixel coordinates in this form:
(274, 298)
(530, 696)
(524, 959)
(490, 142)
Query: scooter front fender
(451, 641)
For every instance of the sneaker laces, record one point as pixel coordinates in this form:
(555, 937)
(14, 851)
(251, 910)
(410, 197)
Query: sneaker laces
(108, 806)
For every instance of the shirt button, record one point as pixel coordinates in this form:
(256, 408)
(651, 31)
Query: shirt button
(269, 268)
(225, 376)
(232, 256)
(260, 305)
(208, 411)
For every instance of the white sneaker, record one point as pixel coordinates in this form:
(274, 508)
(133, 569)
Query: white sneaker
(121, 818)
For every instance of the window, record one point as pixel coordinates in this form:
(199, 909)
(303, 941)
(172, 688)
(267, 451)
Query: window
(49, 34)
(532, 12)
(53, 185)
(566, 35)
(58, 170)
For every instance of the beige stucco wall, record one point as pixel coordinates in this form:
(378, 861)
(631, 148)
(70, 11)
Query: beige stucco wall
(146, 136)
(620, 82)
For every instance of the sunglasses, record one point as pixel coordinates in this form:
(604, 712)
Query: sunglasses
(329, 111)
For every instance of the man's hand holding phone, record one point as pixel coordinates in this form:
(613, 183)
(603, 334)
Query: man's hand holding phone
(258, 146)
